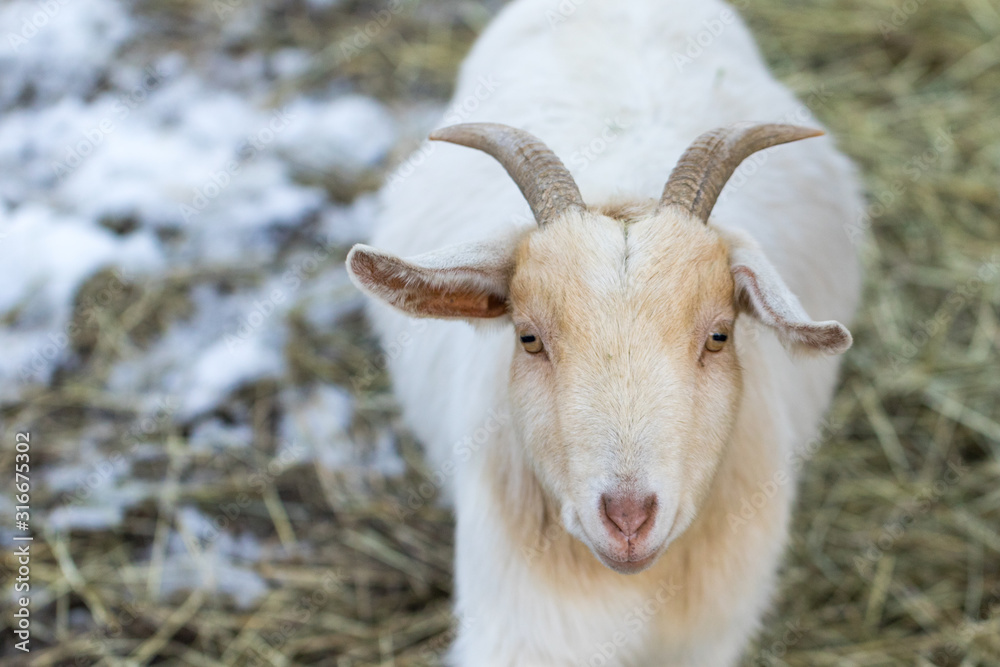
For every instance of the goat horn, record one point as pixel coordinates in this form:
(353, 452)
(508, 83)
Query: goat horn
(542, 177)
(700, 174)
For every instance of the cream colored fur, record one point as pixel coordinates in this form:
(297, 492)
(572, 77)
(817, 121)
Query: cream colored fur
(624, 395)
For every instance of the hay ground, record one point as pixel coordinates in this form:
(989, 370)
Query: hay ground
(895, 555)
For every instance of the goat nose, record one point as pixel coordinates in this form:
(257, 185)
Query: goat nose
(628, 513)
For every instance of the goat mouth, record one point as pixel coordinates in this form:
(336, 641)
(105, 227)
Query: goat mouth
(633, 560)
(632, 564)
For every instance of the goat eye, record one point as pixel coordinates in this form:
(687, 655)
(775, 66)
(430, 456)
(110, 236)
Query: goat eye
(716, 341)
(531, 343)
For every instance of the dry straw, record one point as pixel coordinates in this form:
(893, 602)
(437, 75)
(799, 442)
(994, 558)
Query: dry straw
(895, 558)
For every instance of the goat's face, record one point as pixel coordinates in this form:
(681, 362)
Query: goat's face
(625, 382)
(625, 391)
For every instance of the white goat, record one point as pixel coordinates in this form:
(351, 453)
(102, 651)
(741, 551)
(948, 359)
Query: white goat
(622, 449)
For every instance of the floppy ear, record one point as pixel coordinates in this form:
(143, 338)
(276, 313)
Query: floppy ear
(468, 281)
(761, 293)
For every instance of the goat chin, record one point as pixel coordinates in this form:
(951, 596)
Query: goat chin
(627, 402)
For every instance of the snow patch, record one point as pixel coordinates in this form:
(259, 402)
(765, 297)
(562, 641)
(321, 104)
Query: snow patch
(349, 135)
(212, 573)
(57, 48)
(318, 420)
(46, 257)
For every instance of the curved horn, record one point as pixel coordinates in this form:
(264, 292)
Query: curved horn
(542, 177)
(700, 174)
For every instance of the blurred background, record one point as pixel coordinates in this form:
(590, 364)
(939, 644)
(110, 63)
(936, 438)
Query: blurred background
(219, 475)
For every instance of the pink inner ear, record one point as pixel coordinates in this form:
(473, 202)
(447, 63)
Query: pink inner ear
(773, 305)
(439, 301)
(424, 292)
(754, 299)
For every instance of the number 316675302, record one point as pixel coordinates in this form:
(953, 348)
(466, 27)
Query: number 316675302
(21, 468)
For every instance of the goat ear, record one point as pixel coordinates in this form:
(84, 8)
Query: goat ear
(468, 281)
(761, 293)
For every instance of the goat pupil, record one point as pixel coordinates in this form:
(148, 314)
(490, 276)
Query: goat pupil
(527, 339)
(722, 338)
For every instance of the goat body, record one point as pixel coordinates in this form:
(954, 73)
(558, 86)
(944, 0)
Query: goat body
(618, 90)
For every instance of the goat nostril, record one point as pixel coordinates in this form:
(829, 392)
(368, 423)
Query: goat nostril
(628, 513)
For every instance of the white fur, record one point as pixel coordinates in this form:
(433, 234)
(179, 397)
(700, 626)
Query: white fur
(609, 69)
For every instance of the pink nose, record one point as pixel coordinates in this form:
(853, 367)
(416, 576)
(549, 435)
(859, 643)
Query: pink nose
(628, 515)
